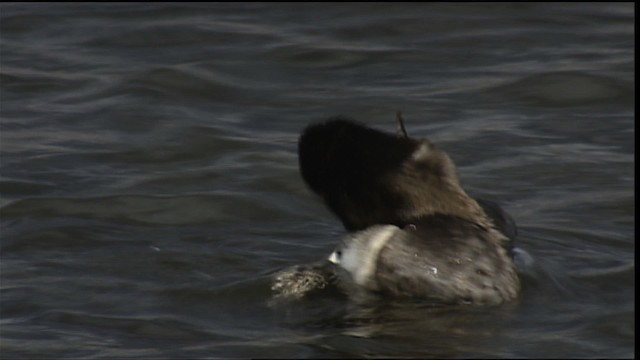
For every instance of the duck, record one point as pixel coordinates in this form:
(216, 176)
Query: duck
(412, 230)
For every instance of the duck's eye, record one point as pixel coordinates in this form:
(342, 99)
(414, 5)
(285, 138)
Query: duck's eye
(339, 253)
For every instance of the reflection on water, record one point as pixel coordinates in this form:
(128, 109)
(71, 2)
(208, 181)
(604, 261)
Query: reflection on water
(149, 181)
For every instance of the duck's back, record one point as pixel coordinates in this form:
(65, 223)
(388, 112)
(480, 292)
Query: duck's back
(446, 258)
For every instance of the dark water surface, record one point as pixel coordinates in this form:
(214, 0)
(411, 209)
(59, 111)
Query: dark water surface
(149, 180)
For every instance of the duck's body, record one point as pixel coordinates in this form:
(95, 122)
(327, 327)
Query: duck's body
(441, 258)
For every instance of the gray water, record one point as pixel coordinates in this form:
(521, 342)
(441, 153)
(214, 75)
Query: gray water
(149, 180)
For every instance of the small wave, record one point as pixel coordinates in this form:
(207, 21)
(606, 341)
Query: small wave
(143, 209)
(566, 89)
(315, 57)
(146, 327)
